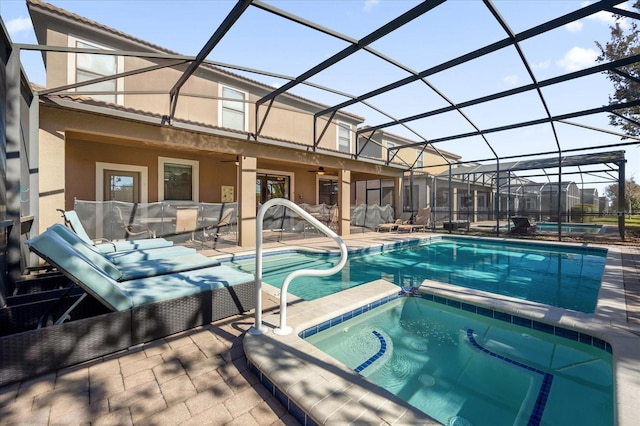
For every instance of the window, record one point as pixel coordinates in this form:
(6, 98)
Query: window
(178, 179)
(233, 111)
(85, 67)
(390, 154)
(344, 137)
(419, 161)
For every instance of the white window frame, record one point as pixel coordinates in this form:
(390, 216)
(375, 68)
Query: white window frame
(144, 178)
(245, 102)
(387, 145)
(419, 158)
(347, 126)
(195, 177)
(72, 41)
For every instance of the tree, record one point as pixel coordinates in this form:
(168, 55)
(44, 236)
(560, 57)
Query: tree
(632, 196)
(626, 80)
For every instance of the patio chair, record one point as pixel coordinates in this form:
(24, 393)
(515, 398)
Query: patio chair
(522, 226)
(116, 292)
(123, 257)
(111, 315)
(104, 245)
(186, 221)
(421, 223)
(212, 232)
(133, 228)
(133, 269)
(392, 226)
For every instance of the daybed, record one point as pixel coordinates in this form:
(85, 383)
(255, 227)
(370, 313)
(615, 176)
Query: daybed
(108, 315)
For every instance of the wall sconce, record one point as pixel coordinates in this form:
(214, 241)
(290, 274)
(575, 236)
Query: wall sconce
(237, 160)
(320, 171)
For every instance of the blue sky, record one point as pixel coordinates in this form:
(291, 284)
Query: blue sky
(263, 41)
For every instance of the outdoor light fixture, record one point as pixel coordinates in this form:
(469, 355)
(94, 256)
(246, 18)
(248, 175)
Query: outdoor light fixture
(320, 171)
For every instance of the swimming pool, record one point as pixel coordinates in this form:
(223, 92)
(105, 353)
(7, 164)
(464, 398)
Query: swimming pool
(564, 276)
(460, 367)
(569, 228)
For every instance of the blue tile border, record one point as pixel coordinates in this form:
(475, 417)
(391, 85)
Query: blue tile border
(373, 358)
(565, 333)
(346, 316)
(545, 388)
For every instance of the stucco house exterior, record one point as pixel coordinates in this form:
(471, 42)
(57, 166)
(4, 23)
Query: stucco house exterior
(136, 138)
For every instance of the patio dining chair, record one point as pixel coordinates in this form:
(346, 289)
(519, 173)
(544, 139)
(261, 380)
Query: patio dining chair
(212, 232)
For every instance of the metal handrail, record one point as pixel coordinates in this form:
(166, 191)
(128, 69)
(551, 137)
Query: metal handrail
(284, 329)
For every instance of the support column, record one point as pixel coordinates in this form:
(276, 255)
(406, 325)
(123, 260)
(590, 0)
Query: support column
(13, 169)
(622, 202)
(454, 203)
(397, 196)
(247, 207)
(344, 202)
(475, 205)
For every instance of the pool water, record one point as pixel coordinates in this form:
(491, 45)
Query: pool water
(566, 228)
(550, 274)
(463, 368)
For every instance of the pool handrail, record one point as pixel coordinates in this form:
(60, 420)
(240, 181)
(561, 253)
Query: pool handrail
(284, 329)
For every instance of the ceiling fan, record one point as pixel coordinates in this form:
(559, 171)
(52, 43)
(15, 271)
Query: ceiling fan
(319, 171)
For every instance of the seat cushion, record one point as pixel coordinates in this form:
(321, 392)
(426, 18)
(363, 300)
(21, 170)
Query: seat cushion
(168, 265)
(165, 287)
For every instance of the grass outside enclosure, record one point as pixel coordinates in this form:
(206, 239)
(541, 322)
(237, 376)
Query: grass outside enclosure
(632, 225)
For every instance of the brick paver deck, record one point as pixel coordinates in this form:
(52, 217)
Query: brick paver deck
(197, 377)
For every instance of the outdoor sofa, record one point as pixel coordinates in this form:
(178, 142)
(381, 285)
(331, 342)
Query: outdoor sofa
(109, 312)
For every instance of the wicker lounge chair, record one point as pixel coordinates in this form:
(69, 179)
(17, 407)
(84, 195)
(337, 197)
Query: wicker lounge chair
(422, 222)
(111, 315)
(124, 257)
(106, 246)
(134, 269)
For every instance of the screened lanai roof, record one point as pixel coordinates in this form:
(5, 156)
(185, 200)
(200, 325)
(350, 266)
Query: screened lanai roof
(613, 157)
(412, 71)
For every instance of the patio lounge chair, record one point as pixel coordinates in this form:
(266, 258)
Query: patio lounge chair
(422, 222)
(123, 257)
(112, 315)
(133, 269)
(392, 226)
(522, 226)
(73, 221)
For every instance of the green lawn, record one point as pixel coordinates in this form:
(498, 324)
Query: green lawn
(632, 223)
